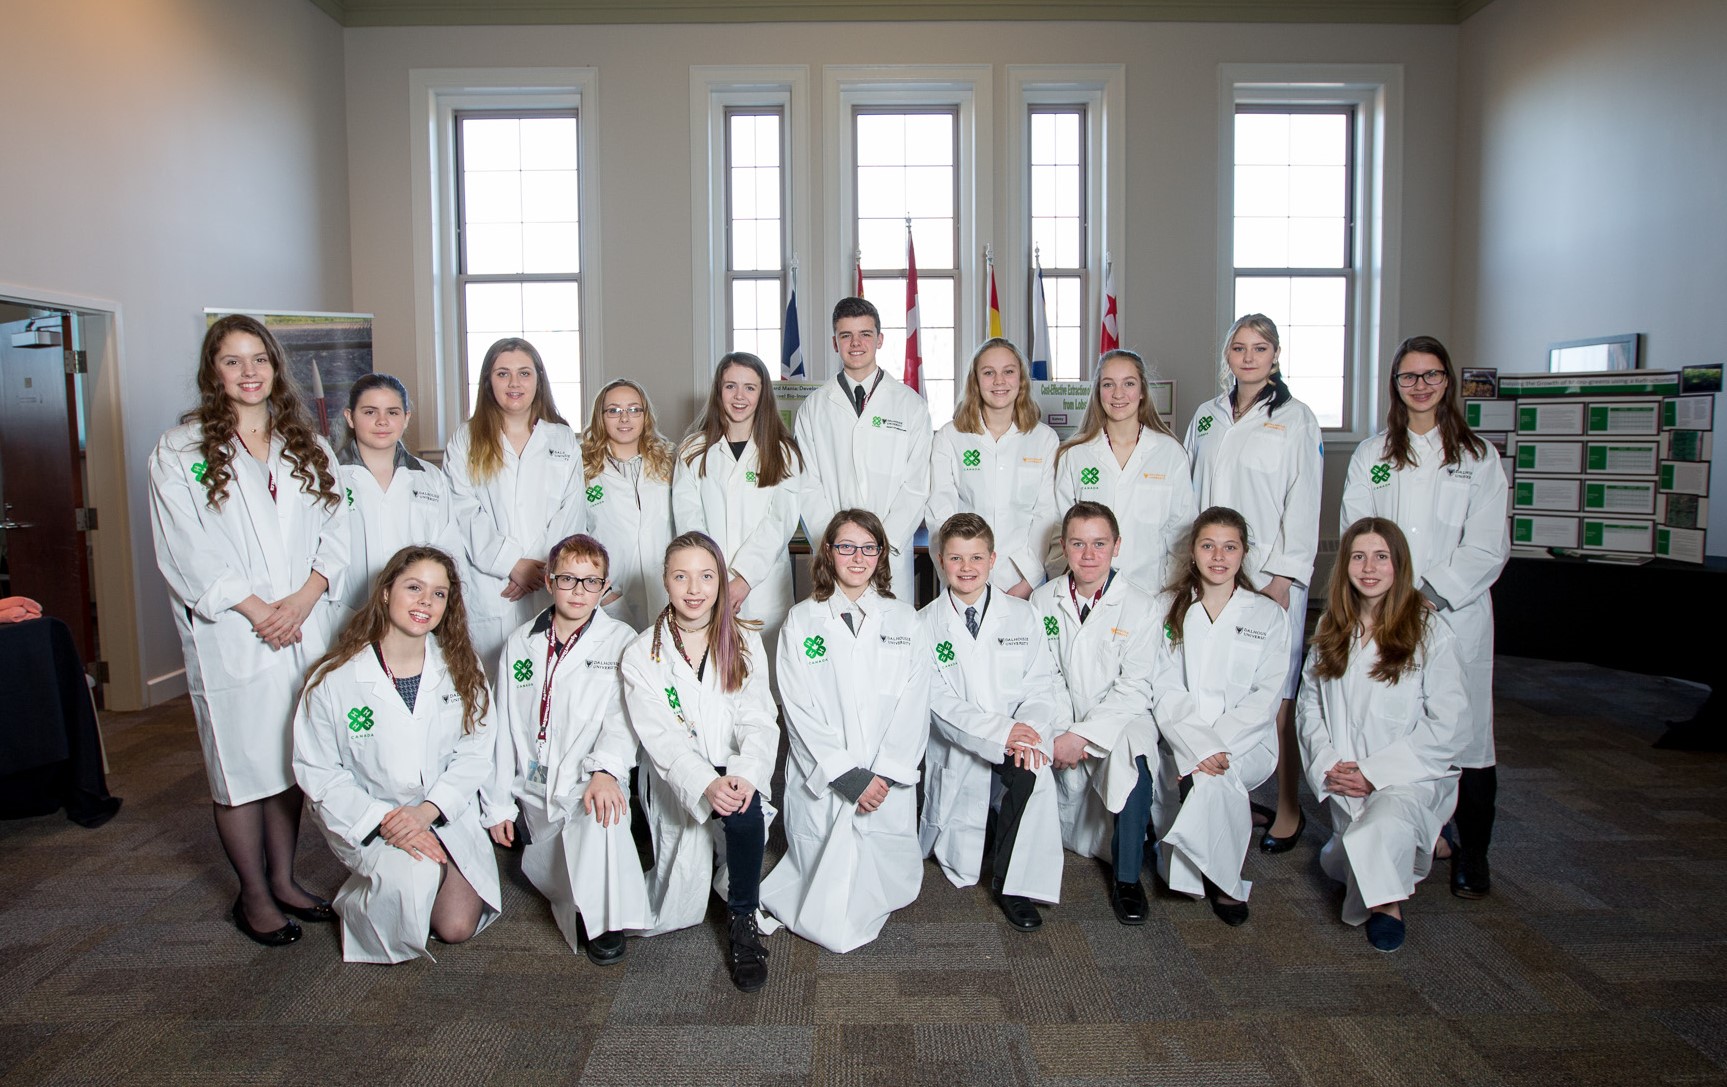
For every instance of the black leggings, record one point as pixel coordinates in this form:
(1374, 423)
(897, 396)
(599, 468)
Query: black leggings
(746, 843)
(1477, 789)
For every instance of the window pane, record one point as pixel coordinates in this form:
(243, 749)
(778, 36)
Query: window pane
(1261, 138)
(1261, 190)
(1062, 306)
(492, 196)
(551, 247)
(929, 139)
(517, 171)
(492, 143)
(548, 143)
(1319, 139)
(494, 309)
(1315, 243)
(546, 314)
(1261, 243)
(1311, 313)
(1057, 192)
(1292, 194)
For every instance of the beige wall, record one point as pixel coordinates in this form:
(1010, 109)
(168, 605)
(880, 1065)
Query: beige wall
(1592, 153)
(164, 156)
(1167, 276)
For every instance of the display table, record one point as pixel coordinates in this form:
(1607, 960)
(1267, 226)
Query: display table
(50, 749)
(1659, 619)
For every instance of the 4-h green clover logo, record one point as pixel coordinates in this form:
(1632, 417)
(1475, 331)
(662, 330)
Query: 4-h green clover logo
(1168, 633)
(1051, 627)
(814, 648)
(198, 471)
(749, 477)
(672, 699)
(349, 491)
(1088, 477)
(596, 492)
(1203, 425)
(944, 652)
(875, 421)
(972, 458)
(524, 670)
(1380, 473)
(360, 719)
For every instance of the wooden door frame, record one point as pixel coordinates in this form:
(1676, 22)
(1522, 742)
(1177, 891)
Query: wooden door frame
(113, 576)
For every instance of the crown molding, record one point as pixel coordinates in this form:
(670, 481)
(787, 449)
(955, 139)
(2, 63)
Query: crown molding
(375, 13)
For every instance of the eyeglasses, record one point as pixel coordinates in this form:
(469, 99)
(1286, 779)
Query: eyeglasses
(848, 549)
(566, 582)
(1429, 377)
(615, 412)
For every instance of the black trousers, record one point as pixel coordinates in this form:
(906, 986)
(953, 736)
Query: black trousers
(746, 845)
(1018, 782)
(1477, 789)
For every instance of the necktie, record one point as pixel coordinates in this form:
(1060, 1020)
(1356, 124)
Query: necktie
(971, 621)
(851, 626)
(1085, 610)
(858, 398)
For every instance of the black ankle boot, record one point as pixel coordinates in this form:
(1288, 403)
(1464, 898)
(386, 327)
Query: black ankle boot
(748, 958)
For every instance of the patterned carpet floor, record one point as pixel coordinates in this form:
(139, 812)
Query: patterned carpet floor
(1600, 958)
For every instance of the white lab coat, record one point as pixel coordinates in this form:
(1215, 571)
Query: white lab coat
(878, 461)
(530, 504)
(356, 767)
(753, 525)
(415, 510)
(1151, 497)
(687, 727)
(851, 701)
(631, 514)
(1218, 691)
(243, 691)
(1406, 737)
(1009, 482)
(1454, 519)
(583, 868)
(980, 687)
(1105, 667)
(1269, 469)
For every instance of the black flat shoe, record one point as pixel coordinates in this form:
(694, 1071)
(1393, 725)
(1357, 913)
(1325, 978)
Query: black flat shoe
(1385, 932)
(1020, 912)
(1129, 902)
(607, 949)
(283, 936)
(1271, 843)
(320, 912)
(1231, 913)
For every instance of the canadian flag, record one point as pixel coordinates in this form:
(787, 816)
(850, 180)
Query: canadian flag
(913, 352)
(1110, 337)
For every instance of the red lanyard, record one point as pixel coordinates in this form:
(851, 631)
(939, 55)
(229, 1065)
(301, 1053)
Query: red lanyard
(554, 657)
(1074, 593)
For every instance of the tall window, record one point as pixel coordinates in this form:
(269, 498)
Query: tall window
(518, 242)
(755, 231)
(907, 166)
(1058, 232)
(1295, 243)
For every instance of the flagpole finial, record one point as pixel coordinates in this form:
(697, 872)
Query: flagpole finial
(989, 252)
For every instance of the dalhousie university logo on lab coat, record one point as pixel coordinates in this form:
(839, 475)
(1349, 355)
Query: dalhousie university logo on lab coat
(1010, 642)
(1250, 634)
(360, 719)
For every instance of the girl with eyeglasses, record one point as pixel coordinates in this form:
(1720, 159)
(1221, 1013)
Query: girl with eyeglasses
(514, 492)
(627, 483)
(736, 478)
(1445, 488)
(564, 755)
(855, 681)
(1382, 723)
(699, 703)
(1257, 450)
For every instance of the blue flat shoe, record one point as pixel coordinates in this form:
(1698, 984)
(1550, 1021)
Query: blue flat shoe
(1385, 932)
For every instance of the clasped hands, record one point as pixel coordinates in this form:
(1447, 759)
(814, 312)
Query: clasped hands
(409, 828)
(1346, 779)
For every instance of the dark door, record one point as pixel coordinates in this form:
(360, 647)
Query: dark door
(42, 479)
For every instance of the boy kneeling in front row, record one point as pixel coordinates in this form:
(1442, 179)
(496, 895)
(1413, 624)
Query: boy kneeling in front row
(994, 700)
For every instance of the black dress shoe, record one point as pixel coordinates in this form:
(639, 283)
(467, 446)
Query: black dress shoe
(1128, 900)
(1020, 912)
(748, 958)
(281, 937)
(606, 949)
(320, 912)
(1271, 843)
(1469, 875)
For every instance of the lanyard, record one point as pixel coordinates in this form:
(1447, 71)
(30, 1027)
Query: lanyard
(554, 657)
(1098, 596)
(678, 640)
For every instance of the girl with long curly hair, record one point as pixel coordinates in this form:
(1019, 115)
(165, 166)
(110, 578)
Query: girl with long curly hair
(1382, 723)
(514, 492)
(698, 700)
(627, 479)
(392, 743)
(252, 538)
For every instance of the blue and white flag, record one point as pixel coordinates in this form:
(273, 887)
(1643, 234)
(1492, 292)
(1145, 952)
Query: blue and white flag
(1039, 328)
(791, 344)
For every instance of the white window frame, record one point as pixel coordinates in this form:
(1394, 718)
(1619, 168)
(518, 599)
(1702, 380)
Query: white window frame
(436, 95)
(966, 88)
(1102, 90)
(1376, 92)
(713, 90)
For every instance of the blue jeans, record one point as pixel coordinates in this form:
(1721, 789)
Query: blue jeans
(1128, 844)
